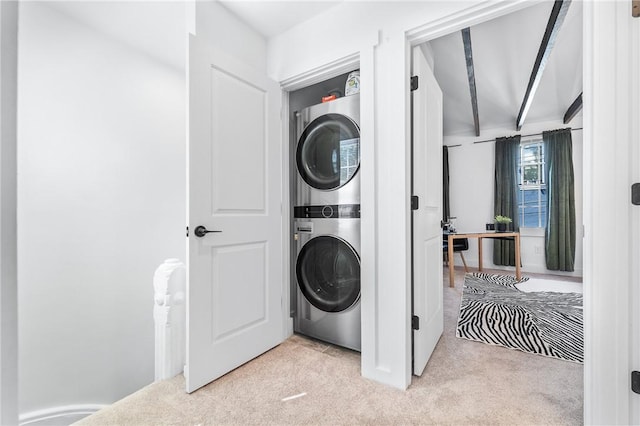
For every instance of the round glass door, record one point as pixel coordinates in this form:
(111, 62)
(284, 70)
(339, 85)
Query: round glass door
(328, 271)
(328, 154)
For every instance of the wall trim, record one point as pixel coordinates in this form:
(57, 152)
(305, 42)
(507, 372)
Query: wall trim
(471, 16)
(531, 269)
(65, 413)
(321, 73)
(287, 323)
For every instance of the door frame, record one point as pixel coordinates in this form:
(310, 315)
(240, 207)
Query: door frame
(317, 75)
(8, 201)
(635, 221)
(364, 59)
(610, 74)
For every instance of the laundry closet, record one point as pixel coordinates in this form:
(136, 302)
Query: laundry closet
(324, 186)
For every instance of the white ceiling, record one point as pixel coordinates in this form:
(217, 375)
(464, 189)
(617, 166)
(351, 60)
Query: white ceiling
(504, 52)
(270, 18)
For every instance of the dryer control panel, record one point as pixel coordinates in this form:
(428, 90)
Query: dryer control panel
(335, 211)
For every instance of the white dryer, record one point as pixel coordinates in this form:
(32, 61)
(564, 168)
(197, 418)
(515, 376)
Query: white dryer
(327, 270)
(328, 153)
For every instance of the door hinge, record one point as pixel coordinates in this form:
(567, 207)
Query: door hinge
(635, 194)
(414, 83)
(415, 322)
(187, 232)
(635, 381)
(414, 202)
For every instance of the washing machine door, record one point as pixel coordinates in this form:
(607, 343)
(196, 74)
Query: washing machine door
(328, 271)
(328, 153)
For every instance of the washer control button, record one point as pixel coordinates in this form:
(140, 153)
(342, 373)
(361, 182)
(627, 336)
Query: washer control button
(327, 211)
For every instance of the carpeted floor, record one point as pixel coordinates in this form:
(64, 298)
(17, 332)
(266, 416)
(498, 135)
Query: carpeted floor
(465, 383)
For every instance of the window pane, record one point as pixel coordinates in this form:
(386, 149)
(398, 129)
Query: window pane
(530, 208)
(530, 154)
(533, 208)
(530, 175)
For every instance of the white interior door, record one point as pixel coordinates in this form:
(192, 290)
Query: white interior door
(427, 231)
(234, 293)
(634, 399)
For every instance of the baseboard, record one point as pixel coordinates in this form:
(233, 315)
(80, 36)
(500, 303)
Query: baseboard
(473, 267)
(59, 416)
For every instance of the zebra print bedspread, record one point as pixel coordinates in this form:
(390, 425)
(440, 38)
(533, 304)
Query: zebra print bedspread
(493, 311)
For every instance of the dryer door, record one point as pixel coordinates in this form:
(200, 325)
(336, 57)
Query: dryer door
(328, 153)
(328, 271)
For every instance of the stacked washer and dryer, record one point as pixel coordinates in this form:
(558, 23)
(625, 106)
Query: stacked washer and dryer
(327, 222)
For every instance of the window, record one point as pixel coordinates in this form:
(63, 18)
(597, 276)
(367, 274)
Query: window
(532, 188)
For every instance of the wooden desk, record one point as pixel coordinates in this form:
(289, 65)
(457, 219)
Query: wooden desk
(480, 236)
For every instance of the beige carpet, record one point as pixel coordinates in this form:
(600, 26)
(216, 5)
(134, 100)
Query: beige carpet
(464, 383)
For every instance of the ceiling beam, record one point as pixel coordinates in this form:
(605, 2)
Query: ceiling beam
(556, 19)
(468, 55)
(573, 109)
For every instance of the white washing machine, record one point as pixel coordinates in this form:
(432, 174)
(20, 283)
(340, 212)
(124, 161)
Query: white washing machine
(327, 270)
(328, 153)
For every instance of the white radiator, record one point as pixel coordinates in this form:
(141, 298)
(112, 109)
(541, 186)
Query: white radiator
(169, 314)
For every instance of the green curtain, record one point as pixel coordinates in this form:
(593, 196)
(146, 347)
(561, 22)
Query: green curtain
(560, 232)
(446, 211)
(507, 154)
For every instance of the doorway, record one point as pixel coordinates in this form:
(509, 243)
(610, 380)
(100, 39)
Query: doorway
(474, 205)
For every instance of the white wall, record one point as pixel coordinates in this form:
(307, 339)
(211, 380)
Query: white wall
(471, 177)
(8, 240)
(225, 31)
(101, 182)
